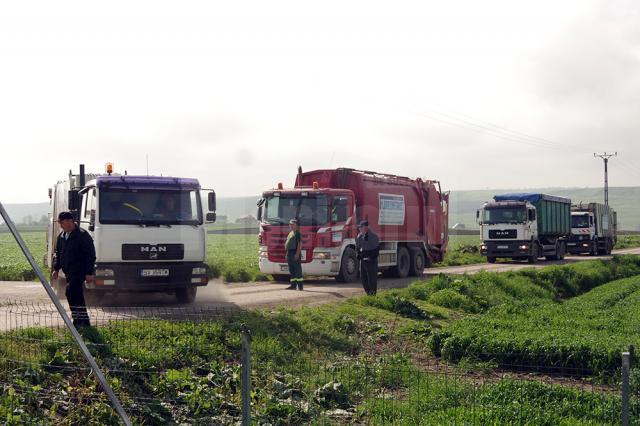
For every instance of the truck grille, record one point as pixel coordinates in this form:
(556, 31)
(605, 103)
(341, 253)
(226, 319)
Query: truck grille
(152, 251)
(497, 234)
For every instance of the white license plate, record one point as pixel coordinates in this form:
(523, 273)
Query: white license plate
(503, 247)
(154, 273)
(571, 244)
(284, 268)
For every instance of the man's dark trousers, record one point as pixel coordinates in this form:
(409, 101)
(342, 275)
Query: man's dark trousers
(75, 297)
(369, 275)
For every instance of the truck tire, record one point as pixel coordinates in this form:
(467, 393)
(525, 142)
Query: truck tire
(491, 259)
(594, 249)
(93, 297)
(609, 247)
(348, 266)
(186, 295)
(417, 263)
(403, 263)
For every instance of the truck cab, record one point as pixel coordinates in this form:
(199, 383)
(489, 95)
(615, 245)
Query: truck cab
(583, 233)
(327, 223)
(508, 229)
(148, 232)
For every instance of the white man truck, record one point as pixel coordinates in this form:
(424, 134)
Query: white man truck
(594, 229)
(148, 231)
(525, 226)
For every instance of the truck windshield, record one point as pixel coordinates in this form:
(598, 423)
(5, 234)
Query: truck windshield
(309, 210)
(150, 206)
(580, 221)
(504, 215)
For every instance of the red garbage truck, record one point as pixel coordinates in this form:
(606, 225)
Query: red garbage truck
(410, 216)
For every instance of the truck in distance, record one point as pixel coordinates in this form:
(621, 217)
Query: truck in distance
(410, 216)
(148, 231)
(525, 226)
(594, 229)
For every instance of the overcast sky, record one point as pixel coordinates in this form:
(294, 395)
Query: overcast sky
(238, 94)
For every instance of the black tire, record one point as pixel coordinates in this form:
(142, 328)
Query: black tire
(418, 263)
(609, 247)
(403, 263)
(186, 295)
(348, 266)
(93, 297)
(280, 278)
(491, 259)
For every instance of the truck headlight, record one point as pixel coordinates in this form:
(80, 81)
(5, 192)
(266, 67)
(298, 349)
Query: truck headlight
(105, 272)
(523, 247)
(323, 255)
(483, 247)
(264, 254)
(199, 271)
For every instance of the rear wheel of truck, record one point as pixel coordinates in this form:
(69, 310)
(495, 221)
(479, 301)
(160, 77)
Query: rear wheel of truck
(186, 295)
(491, 259)
(93, 297)
(417, 263)
(401, 270)
(348, 266)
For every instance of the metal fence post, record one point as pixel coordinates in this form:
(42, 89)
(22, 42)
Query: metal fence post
(246, 376)
(74, 332)
(625, 388)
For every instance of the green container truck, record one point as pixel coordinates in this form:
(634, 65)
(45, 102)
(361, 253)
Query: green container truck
(594, 229)
(525, 226)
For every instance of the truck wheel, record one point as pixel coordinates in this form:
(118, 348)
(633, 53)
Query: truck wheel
(609, 247)
(594, 249)
(534, 256)
(417, 263)
(403, 263)
(92, 297)
(186, 295)
(491, 259)
(348, 266)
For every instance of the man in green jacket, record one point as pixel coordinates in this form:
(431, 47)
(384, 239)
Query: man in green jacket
(293, 247)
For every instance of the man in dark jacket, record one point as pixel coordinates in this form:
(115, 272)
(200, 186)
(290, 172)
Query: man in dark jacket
(76, 256)
(367, 248)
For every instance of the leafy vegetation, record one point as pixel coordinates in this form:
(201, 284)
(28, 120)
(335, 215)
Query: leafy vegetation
(587, 332)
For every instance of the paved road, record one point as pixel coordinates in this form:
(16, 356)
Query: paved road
(240, 295)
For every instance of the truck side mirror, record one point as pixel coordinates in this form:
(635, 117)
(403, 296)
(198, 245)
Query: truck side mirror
(211, 217)
(212, 201)
(478, 217)
(532, 215)
(73, 200)
(259, 215)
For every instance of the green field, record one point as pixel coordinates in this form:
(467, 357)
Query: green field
(364, 360)
(586, 332)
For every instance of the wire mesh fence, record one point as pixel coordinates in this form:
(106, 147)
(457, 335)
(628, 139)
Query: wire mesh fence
(184, 366)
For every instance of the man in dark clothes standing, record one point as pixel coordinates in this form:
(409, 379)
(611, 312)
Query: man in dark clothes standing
(367, 248)
(76, 256)
(293, 247)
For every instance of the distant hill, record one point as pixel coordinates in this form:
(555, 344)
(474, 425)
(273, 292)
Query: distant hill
(463, 204)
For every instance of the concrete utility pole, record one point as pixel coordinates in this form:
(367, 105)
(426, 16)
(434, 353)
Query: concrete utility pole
(605, 157)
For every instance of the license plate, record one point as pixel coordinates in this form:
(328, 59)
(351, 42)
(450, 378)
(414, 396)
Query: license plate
(284, 268)
(571, 244)
(503, 247)
(154, 273)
